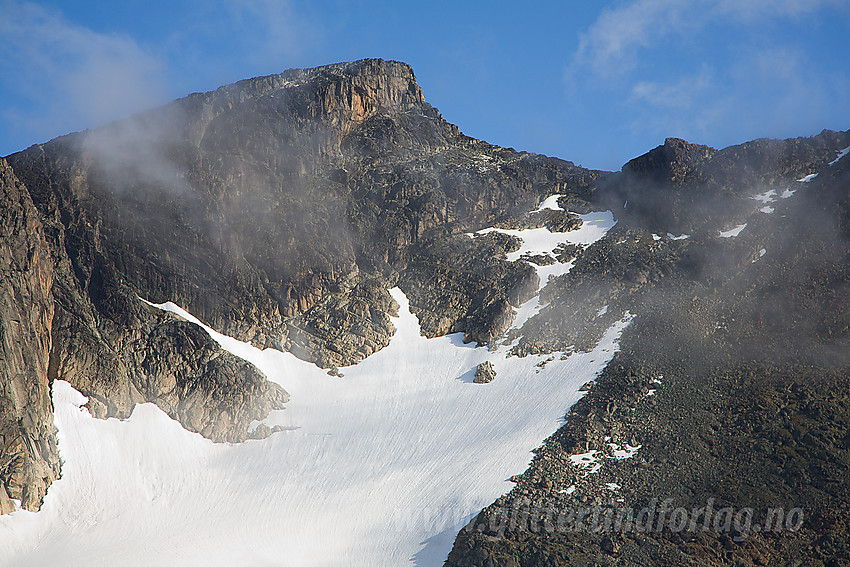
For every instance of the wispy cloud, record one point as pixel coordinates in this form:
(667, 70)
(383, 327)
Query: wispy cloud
(66, 76)
(680, 94)
(271, 34)
(762, 93)
(61, 76)
(612, 44)
(759, 9)
(703, 71)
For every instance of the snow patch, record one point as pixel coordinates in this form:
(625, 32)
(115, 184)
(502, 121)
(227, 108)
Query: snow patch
(550, 202)
(841, 154)
(526, 311)
(543, 241)
(553, 270)
(588, 462)
(732, 233)
(392, 458)
(624, 451)
(766, 197)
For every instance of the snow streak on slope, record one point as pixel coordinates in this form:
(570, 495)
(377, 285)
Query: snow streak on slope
(733, 232)
(841, 154)
(381, 467)
(543, 241)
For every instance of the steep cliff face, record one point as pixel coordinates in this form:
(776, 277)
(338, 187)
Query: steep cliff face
(278, 210)
(73, 319)
(254, 204)
(29, 460)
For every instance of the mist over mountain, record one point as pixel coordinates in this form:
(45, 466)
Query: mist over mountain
(307, 212)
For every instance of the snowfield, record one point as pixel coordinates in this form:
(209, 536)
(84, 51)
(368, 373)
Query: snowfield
(381, 467)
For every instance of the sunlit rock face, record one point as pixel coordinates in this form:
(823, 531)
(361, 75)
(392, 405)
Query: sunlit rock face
(28, 454)
(279, 210)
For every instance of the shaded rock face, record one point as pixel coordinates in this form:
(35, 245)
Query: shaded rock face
(670, 163)
(463, 284)
(731, 379)
(278, 210)
(684, 188)
(250, 205)
(207, 389)
(344, 327)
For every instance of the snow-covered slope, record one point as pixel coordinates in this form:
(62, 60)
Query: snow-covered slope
(380, 467)
(594, 226)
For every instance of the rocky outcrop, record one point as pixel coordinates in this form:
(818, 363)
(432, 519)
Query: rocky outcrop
(671, 162)
(484, 373)
(210, 391)
(686, 188)
(346, 326)
(464, 284)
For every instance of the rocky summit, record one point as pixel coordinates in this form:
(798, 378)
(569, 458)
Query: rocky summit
(280, 210)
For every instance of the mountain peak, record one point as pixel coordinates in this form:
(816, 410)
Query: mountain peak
(356, 89)
(669, 162)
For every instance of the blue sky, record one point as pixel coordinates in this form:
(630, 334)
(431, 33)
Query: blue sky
(597, 83)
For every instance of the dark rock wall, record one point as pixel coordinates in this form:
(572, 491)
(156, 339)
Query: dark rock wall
(682, 188)
(746, 357)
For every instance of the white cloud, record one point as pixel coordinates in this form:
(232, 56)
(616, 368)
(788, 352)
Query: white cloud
(759, 9)
(680, 94)
(609, 46)
(772, 92)
(67, 76)
(711, 71)
(612, 44)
